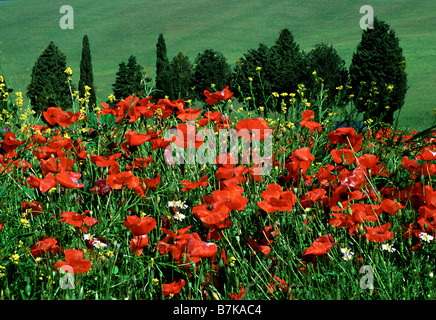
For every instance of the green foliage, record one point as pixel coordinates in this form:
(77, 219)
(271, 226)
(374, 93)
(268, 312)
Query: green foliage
(4, 95)
(253, 76)
(210, 68)
(86, 74)
(128, 80)
(377, 74)
(181, 72)
(330, 67)
(291, 66)
(283, 70)
(164, 86)
(49, 85)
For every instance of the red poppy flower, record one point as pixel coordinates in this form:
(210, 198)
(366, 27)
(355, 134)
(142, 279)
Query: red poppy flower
(179, 239)
(34, 208)
(426, 155)
(56, 165)
(253, 129)
(430, 195)
(74, 262)
(236, 295)
(79, 150)
(104, 162)
(319, 247)
(146, 184)
(55, 115)
(343, 196)
(101, 187)
(347, 154)
(209, 116)
(277, 281)
(212, 212)
(379, 234)
(188, 114)
(136, 139)
(275, 199)
(43, 184)
(139, 226)
(347, 136)
(232, 175)
(117, 180)
(173, 287)
(69, 179)
(158, 143)
(226, 159)
(427, 169)
(48, 245)
(140, 163)
(391, 206)
(137, 244)
(307, 122)
(299, 162)
(411, 165)
(10, 142)
(213, 98)
(231, 197)
(200, 248)
(427, 218)
(78, 220)
(344, 220)
(353, 179)
(187, 137)
(256, 247)
(189, 185)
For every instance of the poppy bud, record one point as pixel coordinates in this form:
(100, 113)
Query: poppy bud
(349, 211)
(215, 296)
(28, 289)
(340, 205)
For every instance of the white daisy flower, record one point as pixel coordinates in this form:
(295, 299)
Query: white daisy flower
(88, 236)
(347, 257)
(172, 204)
(179, 216)
(388, 247)
(347, 254)
(98, 244)
(181, 204)
(347, 251)
(425, 237)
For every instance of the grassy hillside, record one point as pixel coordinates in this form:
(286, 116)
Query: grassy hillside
(118, 29)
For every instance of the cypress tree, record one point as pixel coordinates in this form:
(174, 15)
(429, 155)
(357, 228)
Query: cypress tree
(250, 81)
(181, 71)
(128, 80)
(291, 65)
(163, 71)
(86, 73)
(210, 67)
(377, 74)
(134, 76)
(49, 86)
(330, 67)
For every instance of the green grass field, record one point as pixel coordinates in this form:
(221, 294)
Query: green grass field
(118, 29)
